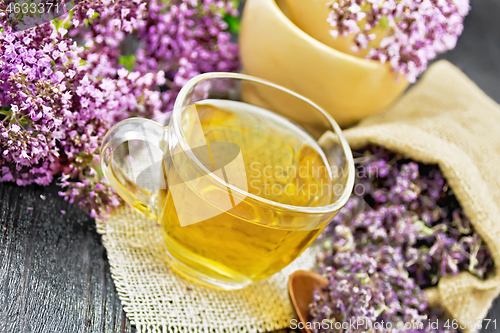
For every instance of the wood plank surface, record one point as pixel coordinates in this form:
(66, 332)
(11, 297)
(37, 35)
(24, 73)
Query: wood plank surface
(54, 276)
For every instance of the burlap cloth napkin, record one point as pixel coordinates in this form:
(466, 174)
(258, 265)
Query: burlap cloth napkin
(444, 119)
(156, 299)
(447, 120)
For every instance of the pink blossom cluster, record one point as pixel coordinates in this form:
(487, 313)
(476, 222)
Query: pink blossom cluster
(63, 84)
(182, 38)
(414, 31)
(188, 39)
(55, 114)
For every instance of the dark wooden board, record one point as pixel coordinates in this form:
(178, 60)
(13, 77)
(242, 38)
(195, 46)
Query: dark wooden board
(54, 276)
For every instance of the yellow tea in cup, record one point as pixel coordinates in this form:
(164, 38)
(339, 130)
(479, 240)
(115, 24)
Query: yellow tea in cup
(283, 164)
(238, 185)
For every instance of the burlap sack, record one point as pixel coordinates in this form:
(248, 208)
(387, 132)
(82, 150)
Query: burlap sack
(447, 120)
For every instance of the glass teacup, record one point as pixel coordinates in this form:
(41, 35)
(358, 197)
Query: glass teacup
(239, 185)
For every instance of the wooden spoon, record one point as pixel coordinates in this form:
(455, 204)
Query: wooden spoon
(301, 285)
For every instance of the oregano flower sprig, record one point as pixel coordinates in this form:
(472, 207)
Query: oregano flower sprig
(58, 98)
(183, 38)
(55, 113)
(413, 31)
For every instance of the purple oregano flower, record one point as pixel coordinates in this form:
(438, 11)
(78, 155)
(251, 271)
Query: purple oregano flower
(400, 232)
(413, 31)
(58, 98)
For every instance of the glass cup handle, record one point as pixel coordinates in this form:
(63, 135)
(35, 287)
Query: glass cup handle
(131, 129)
